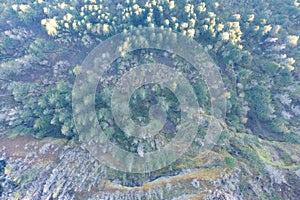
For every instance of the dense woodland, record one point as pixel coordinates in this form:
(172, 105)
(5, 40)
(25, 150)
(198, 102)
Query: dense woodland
(256, 48)
(255, 44)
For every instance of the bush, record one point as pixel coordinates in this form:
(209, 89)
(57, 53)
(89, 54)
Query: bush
(230, 162)
(260, 102)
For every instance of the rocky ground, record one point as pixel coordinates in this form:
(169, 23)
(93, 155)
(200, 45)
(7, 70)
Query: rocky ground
(55, 169)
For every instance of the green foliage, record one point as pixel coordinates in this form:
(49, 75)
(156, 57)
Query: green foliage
(279, 125)
(39, 48)
(249, 46)
(46, 111)
(284, 78)
(261, 102)
(230, 162)
(275, 196)
(292, 138)
(262, 196)
(244, 151)
(256, 49)
(271, 68)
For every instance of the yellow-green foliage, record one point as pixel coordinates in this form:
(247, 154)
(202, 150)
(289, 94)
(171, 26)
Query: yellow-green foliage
(96, 17)
(292, 40)
(7, 169)
(203, 174)
(51, 26)
(17, 196)
(56, 190)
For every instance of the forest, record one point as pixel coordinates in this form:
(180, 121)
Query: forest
(254, 44)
